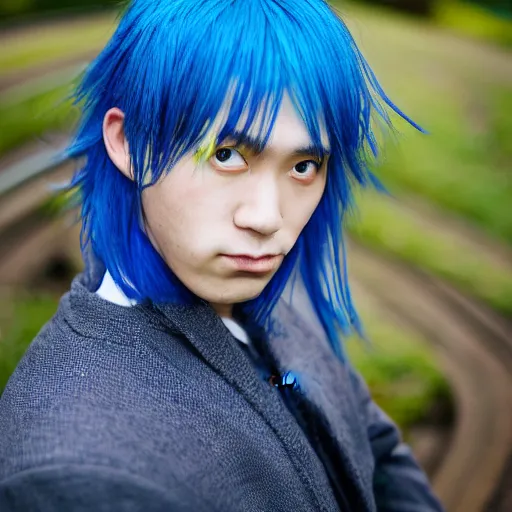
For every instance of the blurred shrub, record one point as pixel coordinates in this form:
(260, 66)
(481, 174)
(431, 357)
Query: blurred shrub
(32, 118)
(418, 7)
(500, 7)
(401, 371)
(488, 21)
(13, 9)
(9, 8)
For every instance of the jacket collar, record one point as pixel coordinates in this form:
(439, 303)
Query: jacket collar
(205, 331)
(324, 381)
(295, 345)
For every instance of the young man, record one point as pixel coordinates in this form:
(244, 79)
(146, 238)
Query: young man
(221, 140)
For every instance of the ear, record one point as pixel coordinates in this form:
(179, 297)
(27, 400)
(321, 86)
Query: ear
(115, 141)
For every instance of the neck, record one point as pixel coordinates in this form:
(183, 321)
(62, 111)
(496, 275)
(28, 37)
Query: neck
(223, 310)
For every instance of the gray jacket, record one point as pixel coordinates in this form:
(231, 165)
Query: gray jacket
(159, 409)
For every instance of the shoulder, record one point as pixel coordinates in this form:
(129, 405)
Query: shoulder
(82, 400)
(63, 362)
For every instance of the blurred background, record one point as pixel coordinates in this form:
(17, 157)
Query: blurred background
(430, 263)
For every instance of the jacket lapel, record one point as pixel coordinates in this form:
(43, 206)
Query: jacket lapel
(325, 382)
(206, 332)
(295, 346)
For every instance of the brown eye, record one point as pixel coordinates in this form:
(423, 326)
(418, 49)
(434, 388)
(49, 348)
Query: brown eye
(305, 171)
(228, 159)
(223, 154)
(302, 167)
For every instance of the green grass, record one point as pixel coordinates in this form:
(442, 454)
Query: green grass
(53, 43)
(460, 92)
(383, 227)
(472, 20)
(21, 317)
(461, 168)
(47, 111)
(400, 370)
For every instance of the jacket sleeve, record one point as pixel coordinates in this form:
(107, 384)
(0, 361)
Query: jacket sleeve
(399, 483)
(82, 488)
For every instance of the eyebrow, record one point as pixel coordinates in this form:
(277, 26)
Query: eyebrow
(257, 145)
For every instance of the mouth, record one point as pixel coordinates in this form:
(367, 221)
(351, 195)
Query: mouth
(253, 264)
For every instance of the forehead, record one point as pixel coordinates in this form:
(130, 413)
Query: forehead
(288, 133)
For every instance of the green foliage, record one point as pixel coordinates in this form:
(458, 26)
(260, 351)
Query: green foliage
(478, 21)
(488, 20)
(59, 203)
(15, 9)
(416, 7)
(12, 8)
(400, 370)
(459, 165)
(386, 228)
(29, 119)
(461, 93)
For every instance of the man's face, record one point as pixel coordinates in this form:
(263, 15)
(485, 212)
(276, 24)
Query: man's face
(224, 225)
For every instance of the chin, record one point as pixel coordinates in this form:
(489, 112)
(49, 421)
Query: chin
(237, 294)
(236, 298)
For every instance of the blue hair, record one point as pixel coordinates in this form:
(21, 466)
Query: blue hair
(170, 66)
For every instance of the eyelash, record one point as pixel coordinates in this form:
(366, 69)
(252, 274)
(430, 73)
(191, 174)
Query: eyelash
(214, 157)
(317, 164)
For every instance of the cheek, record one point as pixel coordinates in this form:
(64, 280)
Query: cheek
(300, 207)
(164, 216)
(184, 214)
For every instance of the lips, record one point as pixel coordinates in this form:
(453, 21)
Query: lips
(257, 265)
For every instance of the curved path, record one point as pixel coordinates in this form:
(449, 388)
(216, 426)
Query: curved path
(475, 346)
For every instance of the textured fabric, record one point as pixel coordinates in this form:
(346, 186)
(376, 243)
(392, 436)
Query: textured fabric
(108, 290)
(159, 408)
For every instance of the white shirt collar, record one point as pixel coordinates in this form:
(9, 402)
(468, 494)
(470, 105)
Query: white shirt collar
(236, 330)
(109, 291)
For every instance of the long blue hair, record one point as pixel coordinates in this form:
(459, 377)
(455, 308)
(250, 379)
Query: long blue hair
(169, 67)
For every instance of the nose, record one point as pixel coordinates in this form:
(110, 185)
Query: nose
(260, 210)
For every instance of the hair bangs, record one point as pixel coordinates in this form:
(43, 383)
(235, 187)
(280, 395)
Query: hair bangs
(190, 74)
(337, 95)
